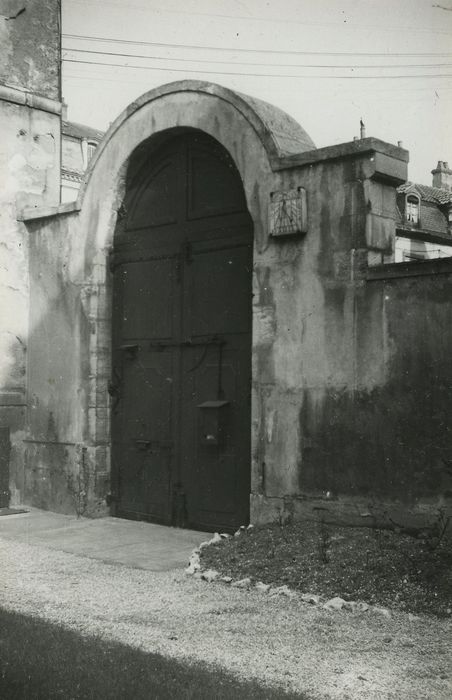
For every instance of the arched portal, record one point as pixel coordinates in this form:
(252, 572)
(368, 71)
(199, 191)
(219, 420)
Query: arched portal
(181, 357)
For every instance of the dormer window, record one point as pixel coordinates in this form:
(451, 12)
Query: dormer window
(412, 209)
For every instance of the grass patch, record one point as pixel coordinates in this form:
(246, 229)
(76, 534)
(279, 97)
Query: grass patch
(41, 661)
(379, 567)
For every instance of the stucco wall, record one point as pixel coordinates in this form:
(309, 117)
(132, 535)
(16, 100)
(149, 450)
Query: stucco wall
(29, 176)
(315, 346)
(336, 352)
(59, 373)
(30, 46)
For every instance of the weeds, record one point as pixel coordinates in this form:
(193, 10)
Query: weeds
(439, 529)
(78, 484)
(324, 541)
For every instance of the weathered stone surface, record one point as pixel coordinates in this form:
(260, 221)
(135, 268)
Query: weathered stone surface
(29, 175)
(283, 591)
(216, 538)
(194, 564)
(30, 46)
(355, 607)
(263, 587)
(310, 598)
(210, 575)
(335, 603)
(242, 583)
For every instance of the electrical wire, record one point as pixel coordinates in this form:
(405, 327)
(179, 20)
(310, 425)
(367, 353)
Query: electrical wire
(266, 65)
(408, 99)
(243, 50)
(260, 75)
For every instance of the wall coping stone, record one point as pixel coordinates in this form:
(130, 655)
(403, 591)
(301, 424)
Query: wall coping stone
(33, 213)
(437, 266)
(24, 97)
(349, 149)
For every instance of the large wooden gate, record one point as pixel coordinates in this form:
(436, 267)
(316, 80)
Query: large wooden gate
(182, 339)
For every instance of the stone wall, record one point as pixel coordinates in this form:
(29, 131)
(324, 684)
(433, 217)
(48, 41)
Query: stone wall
(30, 46)
(350, 361)
(29, 176)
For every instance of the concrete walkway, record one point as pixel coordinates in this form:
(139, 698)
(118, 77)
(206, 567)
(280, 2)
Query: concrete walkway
(113, 540)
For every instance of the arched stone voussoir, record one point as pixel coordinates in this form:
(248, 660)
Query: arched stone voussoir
(241, 123)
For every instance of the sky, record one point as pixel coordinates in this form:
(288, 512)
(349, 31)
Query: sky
(328, 63)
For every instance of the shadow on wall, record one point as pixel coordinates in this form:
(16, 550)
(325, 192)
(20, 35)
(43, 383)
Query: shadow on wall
(392, 442)
(62, 466)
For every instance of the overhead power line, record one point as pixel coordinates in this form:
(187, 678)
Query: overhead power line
(258, 75)
(290, 52)
(96, 77)
(253, 63)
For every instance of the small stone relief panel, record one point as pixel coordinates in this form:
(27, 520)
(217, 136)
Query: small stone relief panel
(288, 213)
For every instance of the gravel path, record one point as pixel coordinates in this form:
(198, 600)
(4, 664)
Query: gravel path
(279, 641)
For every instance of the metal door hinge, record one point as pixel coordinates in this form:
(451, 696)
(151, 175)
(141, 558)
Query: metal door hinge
(187, 252)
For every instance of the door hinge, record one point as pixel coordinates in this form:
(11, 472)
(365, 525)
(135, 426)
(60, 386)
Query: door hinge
(187, 252)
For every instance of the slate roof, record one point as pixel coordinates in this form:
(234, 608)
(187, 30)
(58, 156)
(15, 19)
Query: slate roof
(80, 131)
(437, 195)
(433, 211)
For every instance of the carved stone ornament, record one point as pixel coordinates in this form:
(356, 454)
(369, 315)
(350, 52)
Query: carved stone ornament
(288, 214)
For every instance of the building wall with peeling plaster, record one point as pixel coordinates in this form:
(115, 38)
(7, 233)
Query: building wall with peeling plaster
(30, 111)
(351, 362)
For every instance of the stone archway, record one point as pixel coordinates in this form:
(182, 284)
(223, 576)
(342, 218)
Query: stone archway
(256, 136)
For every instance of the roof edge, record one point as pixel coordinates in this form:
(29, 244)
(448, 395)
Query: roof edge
(345, 150)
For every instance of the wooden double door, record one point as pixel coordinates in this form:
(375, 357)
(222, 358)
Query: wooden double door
(181, 380)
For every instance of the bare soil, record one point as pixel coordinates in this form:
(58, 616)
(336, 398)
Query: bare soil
(379, 567)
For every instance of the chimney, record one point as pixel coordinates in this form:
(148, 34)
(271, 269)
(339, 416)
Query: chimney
(362, 129)
(442, 176)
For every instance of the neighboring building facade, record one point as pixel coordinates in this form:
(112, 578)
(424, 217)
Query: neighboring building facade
(216, 330)
(424, 229)
(78, 144)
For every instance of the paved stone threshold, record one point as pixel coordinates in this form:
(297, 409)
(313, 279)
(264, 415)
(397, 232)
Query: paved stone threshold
(135, 544)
